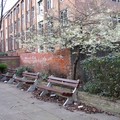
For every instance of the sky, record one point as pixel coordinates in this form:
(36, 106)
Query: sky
(9, 4)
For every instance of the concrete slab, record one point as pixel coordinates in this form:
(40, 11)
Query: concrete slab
(19, 105)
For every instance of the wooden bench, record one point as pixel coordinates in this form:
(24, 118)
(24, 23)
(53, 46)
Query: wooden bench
(11, 73)
(28, 78)
(63, 85)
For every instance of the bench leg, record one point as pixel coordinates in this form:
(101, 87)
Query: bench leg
(11, 81)
(75, 96)
(72, 99)
(68, 101)
(32, 87)
(44, 92)
(19, 84)
(3, 79)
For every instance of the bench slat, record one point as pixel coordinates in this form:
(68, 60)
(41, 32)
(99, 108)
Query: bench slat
(9, 75)
(33, 74)
(30, 76)
(22, 80)
(63, 93)
(72, 85)
(63, 83)
(65, 80)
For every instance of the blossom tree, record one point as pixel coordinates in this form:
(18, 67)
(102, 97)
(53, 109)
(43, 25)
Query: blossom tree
(91, 29)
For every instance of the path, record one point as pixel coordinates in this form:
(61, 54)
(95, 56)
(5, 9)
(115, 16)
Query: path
(19, 105)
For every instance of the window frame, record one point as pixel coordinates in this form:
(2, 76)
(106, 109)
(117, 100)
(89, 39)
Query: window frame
(64, 17)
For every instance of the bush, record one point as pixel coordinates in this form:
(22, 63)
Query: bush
(22, 69)
(3, 67)
(103, 75)
(3, 54)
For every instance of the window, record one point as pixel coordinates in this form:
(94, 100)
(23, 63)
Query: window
(10, 44)
(49, 4)
(22, 5)
(49, 25)
(32, 16)
(14, 12)
(118, 17)
(22, 22)
(8, 18)
(40, 7)
(15, 26)
(40, 25)
(32, 13)
(1, 34)
(63, 17)
(11, 27)
(11, 15)
(116, 0)
(28, 16)
(115, 17)
(17, 9)
(18, 24)
(28, 3)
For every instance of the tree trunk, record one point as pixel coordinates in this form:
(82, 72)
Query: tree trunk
(76, 63)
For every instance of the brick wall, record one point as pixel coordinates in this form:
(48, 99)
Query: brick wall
(58, 63)
(12, 62)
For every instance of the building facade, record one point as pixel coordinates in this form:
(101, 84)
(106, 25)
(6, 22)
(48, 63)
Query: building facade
(15, 22)
(31, 14)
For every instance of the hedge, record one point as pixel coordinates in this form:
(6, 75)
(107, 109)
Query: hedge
(103, 75)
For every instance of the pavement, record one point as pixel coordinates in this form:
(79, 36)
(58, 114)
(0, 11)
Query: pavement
(16, 104)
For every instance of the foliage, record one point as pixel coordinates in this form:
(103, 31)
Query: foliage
(3, 67)
(103, 75)
(90, 26)
(92, 29)
(3, 54)
(22, 69)
(44, 76)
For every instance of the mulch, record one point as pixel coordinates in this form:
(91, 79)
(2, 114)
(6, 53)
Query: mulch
(59, 100)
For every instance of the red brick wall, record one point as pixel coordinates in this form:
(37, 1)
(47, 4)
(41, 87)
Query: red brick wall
(58, 63)
(11, 61)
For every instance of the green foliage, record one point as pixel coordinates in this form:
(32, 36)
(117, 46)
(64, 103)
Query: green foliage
(3, 54)
(92, 87)
(22, 69)
(44, 76)
(103, 75)
(3, 67)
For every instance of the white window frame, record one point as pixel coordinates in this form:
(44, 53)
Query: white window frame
(64, 17)
(49, 4)
(40, 7)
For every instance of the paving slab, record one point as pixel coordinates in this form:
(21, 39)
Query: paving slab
(16, 104)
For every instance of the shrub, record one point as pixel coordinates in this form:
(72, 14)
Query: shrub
(44, 76)
(3, 54)
(103, 75)
(22, 69)
(3, 67)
